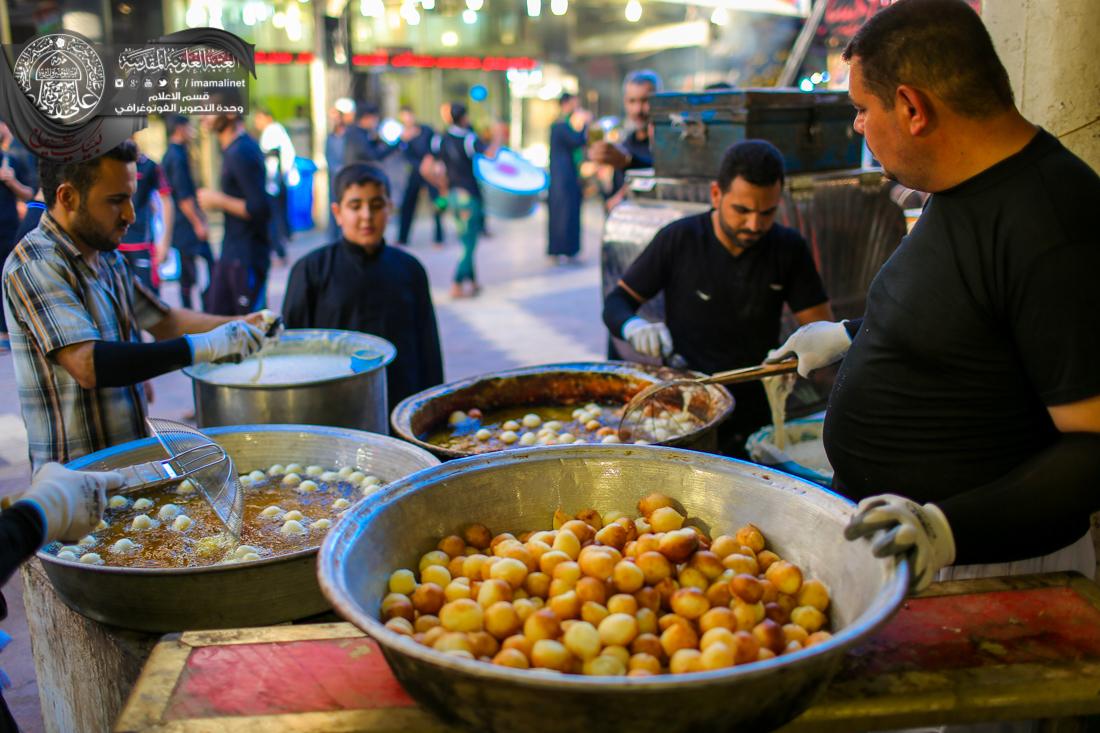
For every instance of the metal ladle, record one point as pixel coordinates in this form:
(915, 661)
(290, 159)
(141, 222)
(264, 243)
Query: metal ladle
(691, 396)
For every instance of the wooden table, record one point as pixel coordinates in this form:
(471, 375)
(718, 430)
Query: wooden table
(981, 650)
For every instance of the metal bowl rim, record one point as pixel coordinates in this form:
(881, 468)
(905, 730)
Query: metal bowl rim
(83, 461)
(886, 603)
(403, 412)
(388, 355)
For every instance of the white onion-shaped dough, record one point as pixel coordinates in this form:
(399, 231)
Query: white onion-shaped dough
(295, 515)
(118, 502)
(346, 471)
(182, 523)
(88, 541)
(142, 504)
(610, 439)
(292, 527)
(527, 439)
(124, 546)
(103, 524)
(185, 487)
(276, 470)
(531, 420)
(371, 480)
(307, 486)
(292, 479)
(243, 550)
(341, 504)
(553, 425)
(245, 481)
(356, 477)
(483, 434)
(258, 477)
(168, 512)
(456, 417)
(66, 555)
(272, 511)
(294, 468)
(508, 437)
(330, 477)
(511, 425)
(314, 471)
(321, 524)
(249, 557)
(143, 521)
(566, 438)
(75, 549)
(91, 558)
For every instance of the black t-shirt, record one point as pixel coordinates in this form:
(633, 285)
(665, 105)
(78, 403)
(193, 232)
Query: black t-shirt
(244, 176)
(986, 314)
(177, 172)
(149, 182)
(723, 311)
(456, 148)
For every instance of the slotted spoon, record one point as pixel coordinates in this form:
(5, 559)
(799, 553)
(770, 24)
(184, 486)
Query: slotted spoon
(642, 416)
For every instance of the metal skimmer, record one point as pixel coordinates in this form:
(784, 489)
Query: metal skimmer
(195, 457)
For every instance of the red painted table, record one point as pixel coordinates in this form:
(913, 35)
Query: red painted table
(996, 649)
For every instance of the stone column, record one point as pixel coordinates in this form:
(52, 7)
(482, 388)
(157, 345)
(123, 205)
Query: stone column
(1052, 54)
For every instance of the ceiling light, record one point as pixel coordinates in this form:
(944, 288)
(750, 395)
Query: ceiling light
(633, 11)
(534, 8)
(450, 38)
(469, 17)
(558, 7)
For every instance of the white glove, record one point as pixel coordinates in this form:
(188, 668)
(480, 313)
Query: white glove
(236, 338)
(70, 502)
(816, 345)
(902, 527)
(650, 339)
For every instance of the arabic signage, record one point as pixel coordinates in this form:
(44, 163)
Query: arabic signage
(408, 60)
(69, 99)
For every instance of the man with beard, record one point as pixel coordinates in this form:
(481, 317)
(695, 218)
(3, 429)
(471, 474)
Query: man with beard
(634, 151)
(725, 275)
(969, 390)
(76, 311)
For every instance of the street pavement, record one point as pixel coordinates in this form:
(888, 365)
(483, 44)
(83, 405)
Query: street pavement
(529, 312)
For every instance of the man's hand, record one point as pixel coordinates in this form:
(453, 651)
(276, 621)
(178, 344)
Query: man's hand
(201, 231)
(648, 339)
(7, 174)
(70, 502)
(208, 199)
(815, 344)
(233, 339)
(898, 526)
(265, 320)
(609, 154)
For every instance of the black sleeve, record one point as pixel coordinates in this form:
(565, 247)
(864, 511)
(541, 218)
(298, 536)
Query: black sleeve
(123, 363)
(618, 307)
(298, 301)
(852, 326)
(1040, 507)
(21, 530)
(802, 286)
(431, 371)
(1052, 313)
(252, 176)
(648, 274)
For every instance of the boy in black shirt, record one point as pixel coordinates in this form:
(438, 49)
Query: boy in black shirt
(359, 283)
(725, 276)
(971, 381)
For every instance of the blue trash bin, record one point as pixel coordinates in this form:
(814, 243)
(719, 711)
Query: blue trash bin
(300, 197)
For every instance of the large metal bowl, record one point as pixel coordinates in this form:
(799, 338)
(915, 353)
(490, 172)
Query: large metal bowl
(519, 490)
(548, 384)
(270, 591)
(356, 400)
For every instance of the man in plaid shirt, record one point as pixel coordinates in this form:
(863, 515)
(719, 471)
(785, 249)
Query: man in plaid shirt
(76, 312)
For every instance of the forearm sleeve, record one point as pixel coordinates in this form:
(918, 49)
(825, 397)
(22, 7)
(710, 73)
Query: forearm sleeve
(20, 534)
(1040, 507)
(121, 364)
(618, 308)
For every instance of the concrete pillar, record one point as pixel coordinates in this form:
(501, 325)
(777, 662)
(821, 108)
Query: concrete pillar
(1052, 52)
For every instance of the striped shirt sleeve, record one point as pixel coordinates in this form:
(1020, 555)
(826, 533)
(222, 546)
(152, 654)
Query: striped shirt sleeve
(44, 298)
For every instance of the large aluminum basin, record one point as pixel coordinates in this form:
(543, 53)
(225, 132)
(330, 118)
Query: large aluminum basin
(518, 490)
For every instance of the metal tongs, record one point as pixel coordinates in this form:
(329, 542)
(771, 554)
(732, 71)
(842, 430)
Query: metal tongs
(688, 395)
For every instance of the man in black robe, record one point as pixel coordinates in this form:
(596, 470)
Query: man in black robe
(360, 284)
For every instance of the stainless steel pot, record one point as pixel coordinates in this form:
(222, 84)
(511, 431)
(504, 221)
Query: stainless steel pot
(519, 490)
(268, 591)
(567, 384)
(357, 400)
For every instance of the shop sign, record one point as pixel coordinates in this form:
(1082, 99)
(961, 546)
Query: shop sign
(407, 60)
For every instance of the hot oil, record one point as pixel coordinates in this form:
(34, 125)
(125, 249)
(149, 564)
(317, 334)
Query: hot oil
(462, 437)
(206, 542)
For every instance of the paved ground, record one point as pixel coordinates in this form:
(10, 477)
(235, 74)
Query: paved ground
(529, 312)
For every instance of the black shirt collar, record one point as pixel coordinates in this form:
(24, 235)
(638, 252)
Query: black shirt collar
(356, 251)
(1038, 146)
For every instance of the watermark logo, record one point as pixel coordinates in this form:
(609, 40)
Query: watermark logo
(63, 75)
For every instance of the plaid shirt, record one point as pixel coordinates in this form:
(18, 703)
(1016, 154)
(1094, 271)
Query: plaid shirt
(53, 299)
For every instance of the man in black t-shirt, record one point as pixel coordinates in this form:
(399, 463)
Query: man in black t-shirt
(971, 381)
(725, 275)
(240, 276)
